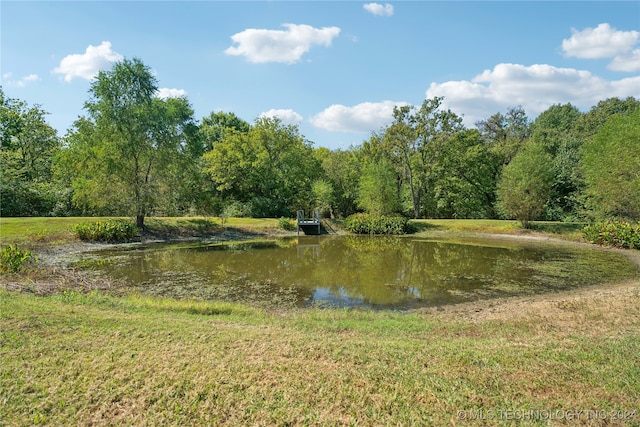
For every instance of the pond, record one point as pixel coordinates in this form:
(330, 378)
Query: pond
(358, 271)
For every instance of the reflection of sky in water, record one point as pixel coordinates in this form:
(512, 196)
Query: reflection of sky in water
(361, 271)
(326, 296)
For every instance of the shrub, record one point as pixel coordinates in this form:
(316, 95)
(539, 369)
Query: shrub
(617, 234)
(12, 259)
(107, 231)
(286, 224)
(362, 223)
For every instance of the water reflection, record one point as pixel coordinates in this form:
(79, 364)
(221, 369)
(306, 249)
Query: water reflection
(376, 272)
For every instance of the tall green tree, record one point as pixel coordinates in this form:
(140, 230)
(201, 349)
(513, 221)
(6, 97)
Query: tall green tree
(611, 164)
(271, 168)
(414, 143)
(130, 147)
(342, 169)
(27, 146)
(525, 185)
(506, 133)
(591, 122)
(217, 124)
(465, 182)
(378, 189)
(555, 130)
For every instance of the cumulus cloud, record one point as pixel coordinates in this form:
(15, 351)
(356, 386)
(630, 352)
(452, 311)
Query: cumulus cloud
(165, 92)
(605, 41)
(600, 42)
(288, 116)
(86, 65)
(285, 46)
(379, 9)
(535, 88)
(362, 118)
(629, 62)
(22, 82)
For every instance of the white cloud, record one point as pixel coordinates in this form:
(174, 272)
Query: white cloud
(87, 65)
(629, 62)
(288, 117)
(534, 87)
(600, 42)
(6, 77)
(165, 92)
(605, 41)
(362, 118)
(379, 9)
(285, 46)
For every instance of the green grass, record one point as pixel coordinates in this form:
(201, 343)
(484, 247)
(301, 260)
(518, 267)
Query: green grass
(73, 359)
(57, 230)
(567, 230)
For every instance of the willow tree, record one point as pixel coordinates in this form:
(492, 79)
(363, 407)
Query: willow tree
(125, 153)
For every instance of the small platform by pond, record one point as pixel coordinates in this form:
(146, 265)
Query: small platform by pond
(311, 225)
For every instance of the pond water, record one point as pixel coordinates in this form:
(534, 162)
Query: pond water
(358, 271)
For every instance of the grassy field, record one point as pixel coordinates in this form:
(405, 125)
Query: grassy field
(59, 230)
(75, 358)
(38, 231)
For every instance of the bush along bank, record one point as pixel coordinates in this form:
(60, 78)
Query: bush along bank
(613, 233)
(362, 223)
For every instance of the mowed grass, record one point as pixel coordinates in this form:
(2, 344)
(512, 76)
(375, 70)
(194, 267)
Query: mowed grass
(566, 230)
(92, 359)
(59, 230)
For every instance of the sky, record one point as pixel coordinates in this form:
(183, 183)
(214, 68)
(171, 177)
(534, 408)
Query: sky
(334, 68)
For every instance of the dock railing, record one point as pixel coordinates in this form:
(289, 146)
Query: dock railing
(310, 225)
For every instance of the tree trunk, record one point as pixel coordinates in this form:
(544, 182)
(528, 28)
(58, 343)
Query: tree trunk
(140, 220)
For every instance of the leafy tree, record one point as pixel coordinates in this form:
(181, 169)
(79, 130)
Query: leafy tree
(506, 133)
(555, 130)
(27, 146)
(217, 124)
(342, 170)
(466, 173)
(129, 151)
(378, 189)
(271, 167)
(414, 143)
(525, 184)
(323, 196)
(590, 123)
(611, 163)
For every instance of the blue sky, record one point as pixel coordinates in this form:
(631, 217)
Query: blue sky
(335, 68)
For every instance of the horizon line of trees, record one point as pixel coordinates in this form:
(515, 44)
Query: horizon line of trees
(134, 154)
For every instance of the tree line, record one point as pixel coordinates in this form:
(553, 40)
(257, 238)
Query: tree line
(134, 154)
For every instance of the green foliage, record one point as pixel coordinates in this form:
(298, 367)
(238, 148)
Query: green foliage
(134, 149)
(378, 189)
(271, 167)
(617, 234)
(362, 223)
(611, 162)
(286, 224)
(323, 196)
(13, 259)
(525, 185)
(107, 231)
(27, 147)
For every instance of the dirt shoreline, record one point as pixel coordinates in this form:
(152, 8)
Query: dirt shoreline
(50, 276)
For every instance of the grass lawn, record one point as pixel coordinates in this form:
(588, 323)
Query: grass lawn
(74, 358)
(59, 230)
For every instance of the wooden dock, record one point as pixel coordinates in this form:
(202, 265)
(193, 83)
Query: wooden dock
(311, 225)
